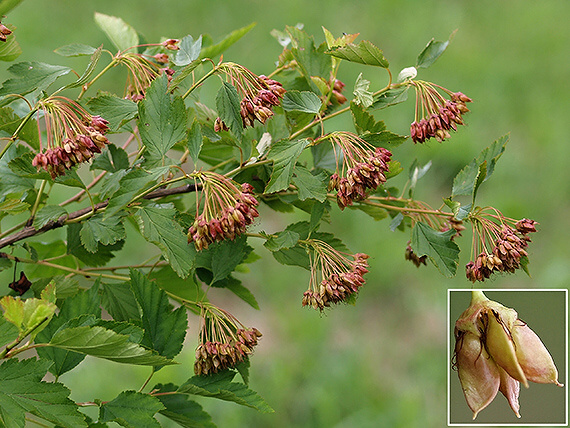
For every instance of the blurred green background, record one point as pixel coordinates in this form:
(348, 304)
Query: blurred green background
(382, 363)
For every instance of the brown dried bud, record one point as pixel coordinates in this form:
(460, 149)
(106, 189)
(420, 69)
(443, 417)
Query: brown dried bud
(171, 44)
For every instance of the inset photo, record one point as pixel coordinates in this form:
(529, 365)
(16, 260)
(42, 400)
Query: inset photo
(508, 357)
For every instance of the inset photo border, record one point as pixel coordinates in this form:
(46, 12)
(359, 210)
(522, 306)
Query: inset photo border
(545, 311)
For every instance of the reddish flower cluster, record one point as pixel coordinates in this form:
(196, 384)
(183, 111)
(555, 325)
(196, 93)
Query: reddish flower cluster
(73, 136)
(4, 32)
(339, 276)
(228, 210)
(171, 44)
(438, 114)
(260, 95)
(365, 168)
(224, 342)
(337, 96)
(508, 250)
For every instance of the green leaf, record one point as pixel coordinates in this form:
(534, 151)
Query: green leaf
(12, 206)
(75, 49)
(390, 98)
(97, 231)
(180, 409)
(284, 239)
(103, 343)
(48, 213)
(117, 111)
(112, 159)
(9, 122)
(120, 302)
(481, 175)
(221, 258)
(220, 386)
(194, 138)
(294, 256)
(121, 34)
(432, 52)
(162, 118)
(305, 101)
(132, 409)
(236, 287)
(438, 246)
(31, 76)
(100, 257)
(188, 52)
(88, 71)
(158, 226)
(186, 288)
(5, 263)
(8, 332)
(182, 74)
(465, 181)
(376, 213)
(228, 106)
(363, 53)
(284, 154)
(22, 391)
(227, 41)
(10, 49)
(361, 93)
(310, 186)
(311, 61)
(384, 139)
(164, 327)
(132, 184)
(364, 121)
(71, 179)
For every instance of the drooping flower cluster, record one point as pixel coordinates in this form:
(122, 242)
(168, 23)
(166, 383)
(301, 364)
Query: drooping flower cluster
(4, 32)
(227, 209)
(509, 239)
(436, 115)
(143, 70)
(496, 351)
(335, 276)
(259, 94)
(363, 167)
(73, 135)
(224, 341)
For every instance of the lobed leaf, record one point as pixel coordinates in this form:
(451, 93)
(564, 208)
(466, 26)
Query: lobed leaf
(432, 52)
(164, 327)
(284, 154)
(310, 186)
(97, 230)
(120, 302)
(75, 49)
(189, 50)
(284, 239)
(364, 53)
(228, 106)
(48, 213)
(22, 391)
(438, 246)
(112, 159)
(162, 118)
(132, 409)
(117, 111)
(220, 386)
(158, 226)
(10, 122)
(180, 409)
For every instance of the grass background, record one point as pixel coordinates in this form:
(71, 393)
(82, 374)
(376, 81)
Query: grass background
(382, 363)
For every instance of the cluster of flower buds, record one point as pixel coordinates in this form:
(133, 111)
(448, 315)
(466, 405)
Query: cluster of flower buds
(260, 94)
(228, 208)
(4, 32)
(337, 96)
(509, 248)
(496, 351)
(171, 44)
(363, 168)
(436, 115)
(224, 342)
(335, 276)
(73, 135)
